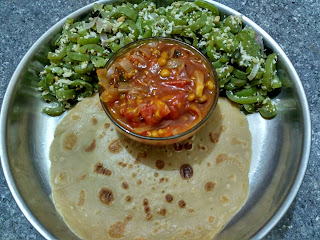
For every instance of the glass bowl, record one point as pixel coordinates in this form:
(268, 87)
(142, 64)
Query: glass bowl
(174, 138)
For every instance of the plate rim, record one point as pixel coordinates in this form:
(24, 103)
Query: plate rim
(306, 147)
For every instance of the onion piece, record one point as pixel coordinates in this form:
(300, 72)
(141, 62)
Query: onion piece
(195, 109)
(103, 25)
(259, 40)
(153, 44)
(175, 63)
(146, 51)
(140, 59)
(104, 38)
(103, 77)
(199, 82)
(254, 71)
(125, 86)
(90, 24)
(171, 52)
(126, 65)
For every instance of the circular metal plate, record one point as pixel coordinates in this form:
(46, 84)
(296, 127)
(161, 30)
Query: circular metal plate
(280, 146)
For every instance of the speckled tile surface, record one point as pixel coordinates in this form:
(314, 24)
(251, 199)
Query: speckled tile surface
(293, 24)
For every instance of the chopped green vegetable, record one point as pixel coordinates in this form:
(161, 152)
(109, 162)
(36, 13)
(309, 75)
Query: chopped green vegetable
(245, 74)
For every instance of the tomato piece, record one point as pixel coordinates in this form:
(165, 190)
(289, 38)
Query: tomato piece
(176, 83)
(132, 114)
(176, 105)
(153, 111)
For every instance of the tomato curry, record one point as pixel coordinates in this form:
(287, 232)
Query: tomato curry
(158, 89)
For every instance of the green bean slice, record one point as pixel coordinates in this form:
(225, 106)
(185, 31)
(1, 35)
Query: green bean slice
(244, 100)
(98, 61)
(269, 73)
(224, 71)
(268, 110)
(82, 84)
(91, 47)
(250, 108)
(239, 74)
(246, 92)
(63, 94)
(238, 82)
(208, 6)
(127, 12)
(54, 111)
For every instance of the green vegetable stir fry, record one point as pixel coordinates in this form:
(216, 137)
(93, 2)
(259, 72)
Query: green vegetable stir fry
(247, 75)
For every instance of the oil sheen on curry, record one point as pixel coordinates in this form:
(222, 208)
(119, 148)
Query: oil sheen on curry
(158, 89)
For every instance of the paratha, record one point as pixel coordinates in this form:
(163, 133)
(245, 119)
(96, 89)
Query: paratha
(106, 186)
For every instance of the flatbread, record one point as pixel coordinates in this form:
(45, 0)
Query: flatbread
(106, 186)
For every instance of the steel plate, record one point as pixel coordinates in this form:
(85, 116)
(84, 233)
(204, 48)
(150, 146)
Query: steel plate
(280, 146)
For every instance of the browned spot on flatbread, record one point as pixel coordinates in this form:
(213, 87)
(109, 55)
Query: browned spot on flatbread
(100, 169)
(102, 135)
(125, 185)
(115, 146)
(234, 159)
(162, 212)
(163, 179)
(224, 199)
(188, 146)
(106, 196)
(75, 117)
(169, 198)
(178, 146)
(209, 186)
(83, 177)
(128, 218)
(117, 230)
(236, 141)
(139, 181)
(182, 204)
(221, 158)
(140, 156)
(202, 147)
(190, 210)
(128, 198)
(69, 141)
(231, 176)
(94, 120)
(133, 175)
(122, 164)
(160, 164)
(208, 164)
(130, 165)
(81, 198)
(186, 171)
(214, 137)
(61, 178)
(92, 146)
(147, 209)
(211, 218)
(156, 174)
(106, 125)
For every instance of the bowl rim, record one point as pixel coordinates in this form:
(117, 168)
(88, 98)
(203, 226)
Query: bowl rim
(275, 47)
(140, 42)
